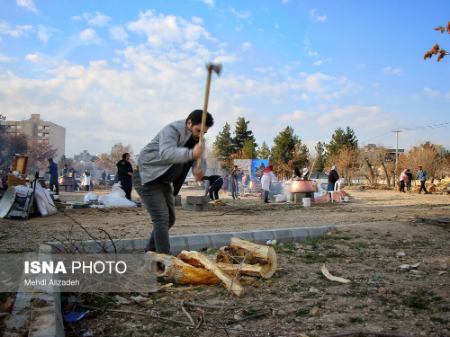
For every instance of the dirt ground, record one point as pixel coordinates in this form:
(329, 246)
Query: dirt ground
(365, 207)
(377, 232)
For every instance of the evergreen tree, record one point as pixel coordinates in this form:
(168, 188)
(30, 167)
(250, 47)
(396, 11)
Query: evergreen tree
(283, 149)
(248, 150)
(223, 145)
(263, 151)
(319, 165)
(241, 134)
(341, 139)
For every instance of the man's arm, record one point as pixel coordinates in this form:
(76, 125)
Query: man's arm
(169, 150)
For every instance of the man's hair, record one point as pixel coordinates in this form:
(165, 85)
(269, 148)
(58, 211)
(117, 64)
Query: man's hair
(50, 160)
(196, 118)
(124, 156)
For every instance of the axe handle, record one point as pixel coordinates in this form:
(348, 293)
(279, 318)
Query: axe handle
(205, 110)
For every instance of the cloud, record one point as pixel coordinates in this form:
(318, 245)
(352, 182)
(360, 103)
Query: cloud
(315, 16)
(43, 33)
(14, 31)
(246, 45)
(36, 57)
(96, 19)
(431, 92)
(4, 58)
(392, 71)
(89, 36)
(167, 29)
(118, 33)
(27, 4)
(295, 116)
(209, 3)
(284, 2)
(240, 14)
(354, 115)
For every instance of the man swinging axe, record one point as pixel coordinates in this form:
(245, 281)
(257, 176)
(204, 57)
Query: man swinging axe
(164, 163)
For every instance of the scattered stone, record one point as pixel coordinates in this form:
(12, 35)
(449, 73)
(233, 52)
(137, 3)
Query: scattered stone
(313, 290)
(400, 254)
(315, 312)
(121, 300)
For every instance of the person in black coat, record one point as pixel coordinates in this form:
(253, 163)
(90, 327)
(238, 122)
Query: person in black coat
(333, 176)
(124, 174)
(213, 185)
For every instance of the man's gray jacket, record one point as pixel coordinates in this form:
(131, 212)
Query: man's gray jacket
(166, 149)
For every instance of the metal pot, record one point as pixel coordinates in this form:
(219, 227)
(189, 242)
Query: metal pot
(303, 186)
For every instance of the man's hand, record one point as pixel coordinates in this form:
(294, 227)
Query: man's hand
(198, 174)
(197, 151)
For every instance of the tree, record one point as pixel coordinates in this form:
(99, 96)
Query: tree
(429, 156)
(319, 161)
(241, 134)
(341, 139)
(437, 50)
(108, 161)
(372, 159)
(286, 148)
(248, 150)
(223, 145)
(38, 155)
(346, 161)
(263, 151)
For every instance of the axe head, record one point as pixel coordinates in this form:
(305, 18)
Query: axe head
(214, 67)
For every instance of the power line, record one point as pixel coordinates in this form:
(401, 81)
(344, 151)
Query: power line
(431, 126)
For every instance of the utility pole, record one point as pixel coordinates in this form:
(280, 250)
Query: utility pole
(396, 155)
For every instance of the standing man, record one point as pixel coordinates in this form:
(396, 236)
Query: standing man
(212, 186)
(234, 182)
(163, 165)
(409, 181)
(333, 176)
(53, 171)
(422, 177)
(125, 174)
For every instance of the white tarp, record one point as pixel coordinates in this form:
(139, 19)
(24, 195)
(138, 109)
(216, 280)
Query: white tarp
(116, 198)
(44, 201)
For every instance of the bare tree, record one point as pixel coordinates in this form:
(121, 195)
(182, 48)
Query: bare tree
(429, 156)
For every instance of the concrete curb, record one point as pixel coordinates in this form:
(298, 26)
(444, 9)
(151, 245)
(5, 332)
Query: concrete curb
(47, 321)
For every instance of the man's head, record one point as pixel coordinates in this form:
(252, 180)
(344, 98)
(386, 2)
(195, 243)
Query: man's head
(126, 156)
(194, 122)
(420, 167)
(50, 160)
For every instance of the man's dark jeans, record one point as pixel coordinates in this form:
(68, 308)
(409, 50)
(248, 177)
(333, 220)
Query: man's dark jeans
(214, 189)
(422, 187)
(158, 199)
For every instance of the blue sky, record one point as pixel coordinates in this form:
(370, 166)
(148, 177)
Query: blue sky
(111, 71)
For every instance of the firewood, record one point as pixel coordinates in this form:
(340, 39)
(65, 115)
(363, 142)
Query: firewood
(180, 272)
(247, 258)
(265, 271)
(231, 284)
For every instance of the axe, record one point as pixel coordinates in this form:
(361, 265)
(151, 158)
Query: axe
(210, 67)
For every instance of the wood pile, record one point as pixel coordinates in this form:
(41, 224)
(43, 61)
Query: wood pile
(240, 257)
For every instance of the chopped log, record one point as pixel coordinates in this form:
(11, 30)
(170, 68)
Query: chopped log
(265, 271)
(231, 284)
(180, 272)
(245, 253)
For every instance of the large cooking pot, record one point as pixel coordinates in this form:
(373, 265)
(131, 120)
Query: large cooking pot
(303, 186)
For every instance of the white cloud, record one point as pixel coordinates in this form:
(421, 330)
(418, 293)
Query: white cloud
(246, 45)
(5, 58)
(355, 115)
(295, 116)
(96, 19)
(392, 71)
(240, 14)
(431, 92)
(317, 63)
(43, 34)
(284, 2)
(161, 30)
(209, 3)
(118, 33)
(27, 4)
(89, 36)
(315, 16)
(14, 31)
(36, 57)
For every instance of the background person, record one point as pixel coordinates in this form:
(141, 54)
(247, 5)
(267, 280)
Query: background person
(125, 174)
(53, 171)
(213, 184)
(422, 176)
